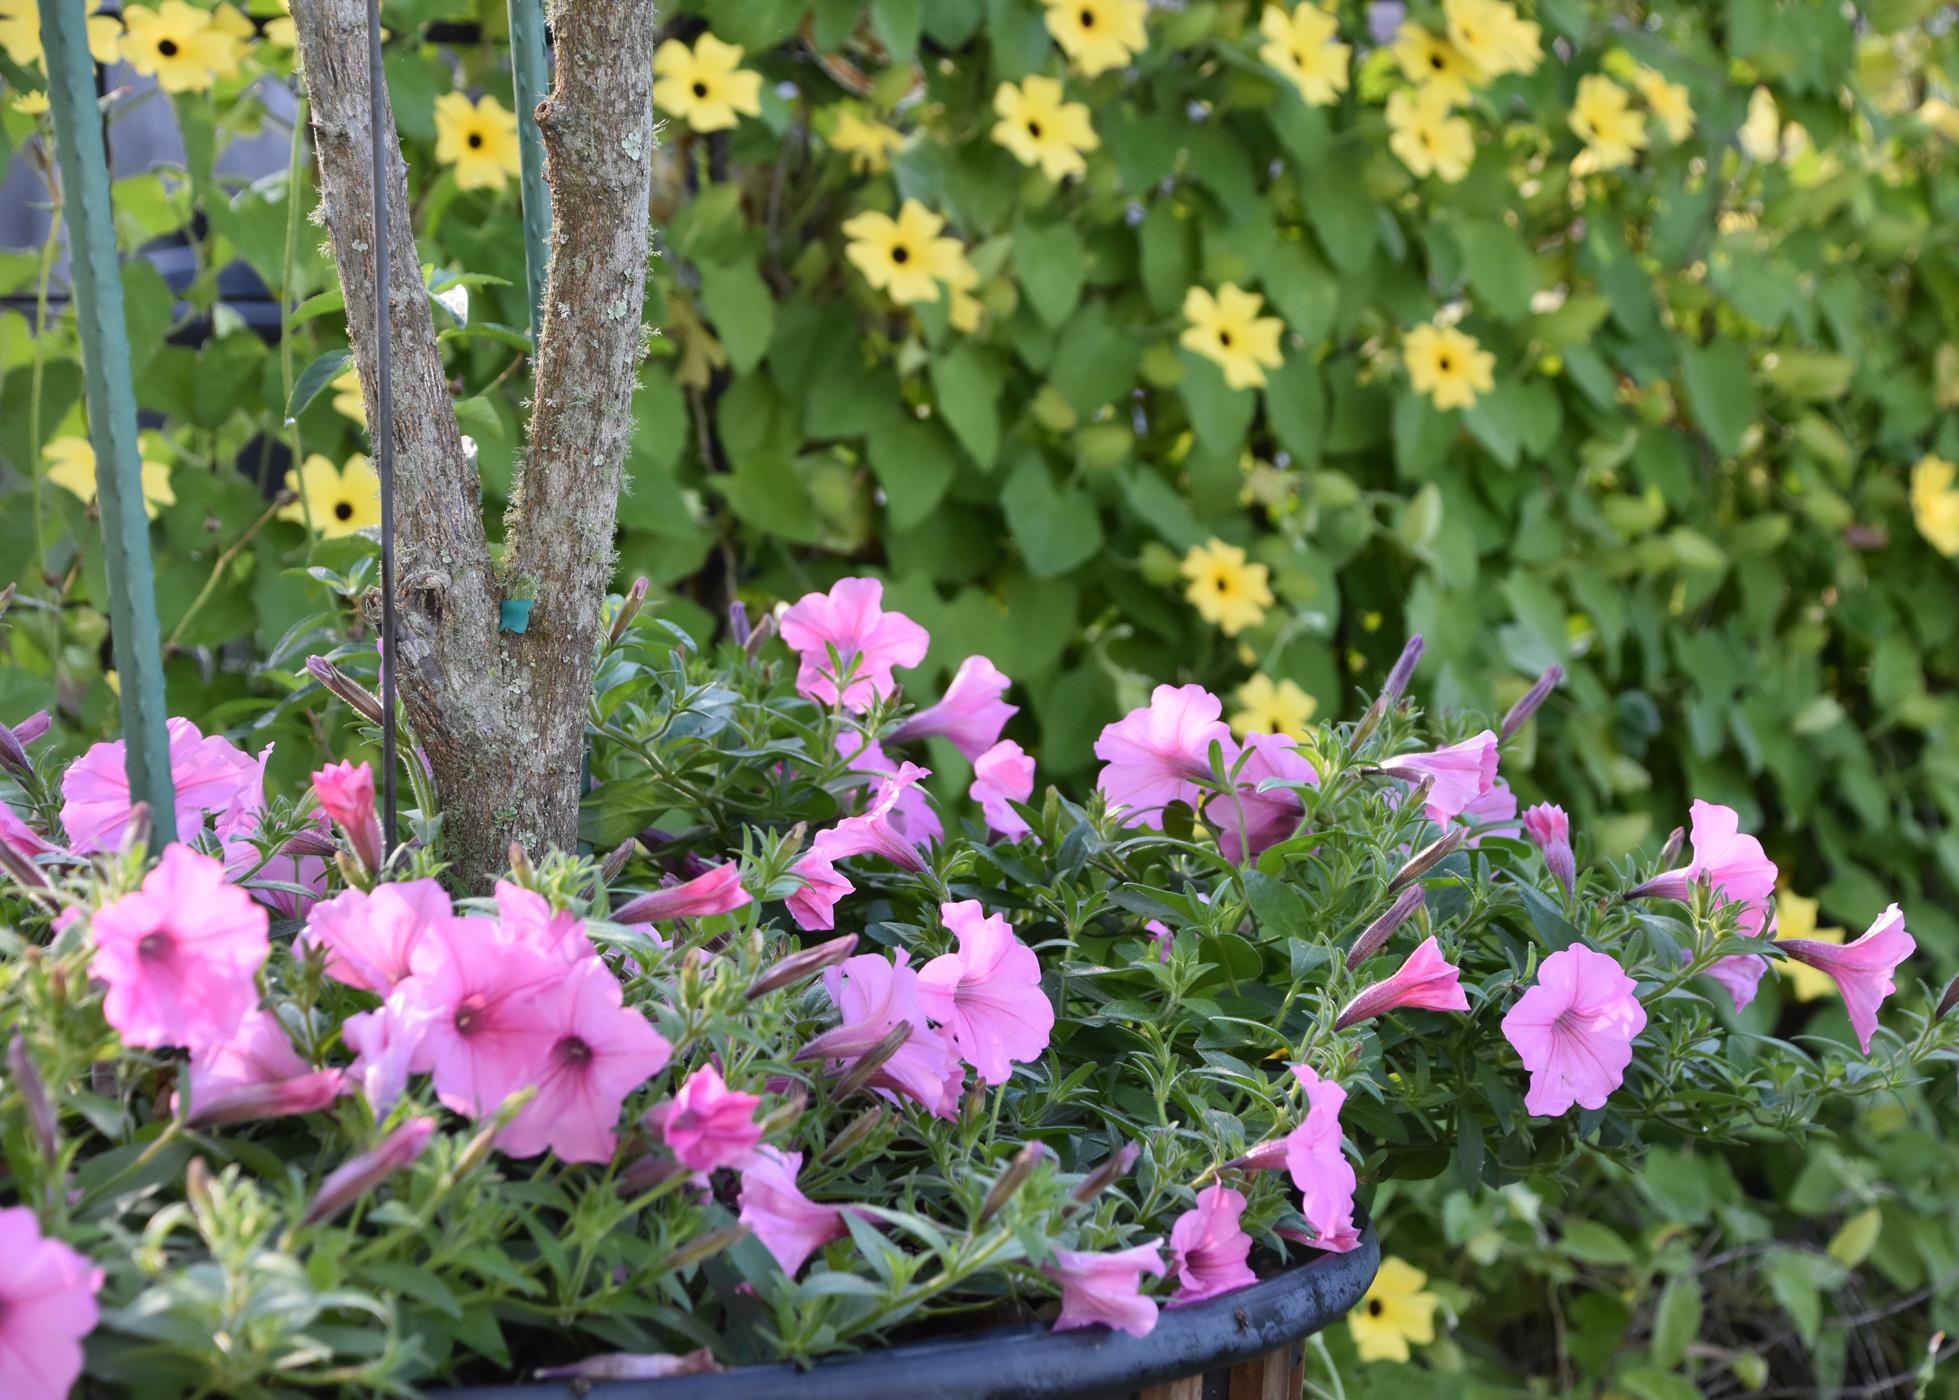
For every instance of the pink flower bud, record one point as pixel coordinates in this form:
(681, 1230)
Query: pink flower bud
(1382, 929)
(346, 794)
(717, 892)
(360, 1175)
(1521, 712)
(1550, 830)
(1426, 982)
(362, 700)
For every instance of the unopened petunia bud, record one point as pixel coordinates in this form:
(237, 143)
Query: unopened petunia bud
(1382, 929)
(1430, 856)
(860, 1128)
(13, 750)
(873, 1059)
(521, 869)
(1948, 1001)
(344, 686)
(1267, 1156)
(1670, 852)
(1113, 1168)
(24, 873)
(615, 864)
(738, 627)
(702, 1247)
(359, 1175)
(309, 842)
(1402, 672)
(1521, 712)
(628, 610)
(1018, 1170)
(783, 1117)
(762, 634)
(805, 964)
(33, 1093)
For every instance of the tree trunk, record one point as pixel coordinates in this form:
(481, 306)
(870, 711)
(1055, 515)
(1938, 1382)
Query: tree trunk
(501, 715)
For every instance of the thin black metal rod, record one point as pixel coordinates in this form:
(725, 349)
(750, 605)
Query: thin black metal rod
(384, 417)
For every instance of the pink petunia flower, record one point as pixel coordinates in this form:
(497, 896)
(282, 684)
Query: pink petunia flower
(1105, 1289)
(1004, 774)
(1158, 754)
(874, 995)
(877, 830)
(971, 714)
(526, 917)
(1426, 982)
(346, 794)
(256, 1074)
(1319, 1165)
(1208, 1247)
(487, 1034)
(370, 937)
(1251, 822)
(717, 892)
(1492, 814)
(1862, 968)
(813, 905)
(47, 1305)
(181, 955)
(602, 1051)
(987, 995)
(1739, 872)
(868, 642)
(1460, 774)
(789, 1224)
(1550, 830)
(912, 816)
(707, 1124)
(1574, 1030)
(209, 774)
(387, 1045)
(301, 861)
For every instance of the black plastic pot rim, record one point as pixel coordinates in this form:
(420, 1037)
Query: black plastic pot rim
(1031, 1360)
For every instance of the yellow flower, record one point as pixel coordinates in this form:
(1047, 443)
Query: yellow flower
(229, 39)
(1489, 34)
(1041, 128)
(1224, 588)
(1611, 130)
(1447, 365)
(279, 31)
(869, 144)
(1941, 116)
(479, 139)
(1393, 1312)
(1435, 65)
(1761, 135)
(1795, 917)
(71, 466)
(1273, 709)
(1668, 101)
(966, 312)
(20, 33)
(1228, 330)
(705, 86)
(176, 44)
(341, 500)
(907, 257)
(1098, 35)
(347, 399)
(31, 104)
(1304, 48)
(1428, 136)
(1935, 503)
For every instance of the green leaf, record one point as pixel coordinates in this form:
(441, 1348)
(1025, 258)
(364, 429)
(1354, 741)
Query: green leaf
(1676, 1320)
(1853, 1244)
(1166, 262)
(1220, 414)
(1501, 270)
(1720, 392)
(1345, 225)
(1056, 530)
(967, 386)
(743, 311)
(914, 462)
(1593, 1243)
(1051, 264)
(1295, 402)
(315, 377)
(896, 23)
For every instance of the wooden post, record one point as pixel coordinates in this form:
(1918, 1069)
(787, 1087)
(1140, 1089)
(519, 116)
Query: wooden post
(97, 282)
(530, 72)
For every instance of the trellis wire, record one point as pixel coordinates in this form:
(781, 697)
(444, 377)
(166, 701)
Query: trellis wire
(383, 419)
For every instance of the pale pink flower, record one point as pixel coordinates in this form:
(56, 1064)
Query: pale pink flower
(256, 1073)
(707, 1124)
(987, 995)
(47, 1305)
(912, 816)
(486, 1036)
(387, 1044)
(369, 937)
(526, 917)
(1740, 976)
(813, 905)
(1426, 982)
(875, 830)
(1208, 1247)
(603, 1051)
(874, 994)
(1003, 775)
(1319, 1165)
(868, 642)
(1158, 754)
(971, 714)
(789, 1224)
(1574, 1030)
(359, 1175)
(298, 862)
(1730, 861)
(209, 775)
(1492, 814)
(1550, 830)
(717, 892)
(1105, 1289)
(1250, 821)
(346, 794)
(1460, 774)
(1862, 968)
(181, 955)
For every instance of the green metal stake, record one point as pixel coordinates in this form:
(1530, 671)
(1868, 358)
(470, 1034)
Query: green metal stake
(111, 408)
(531, 74)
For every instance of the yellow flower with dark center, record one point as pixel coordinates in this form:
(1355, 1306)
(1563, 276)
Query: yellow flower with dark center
(1447, 365)
(1605, 121)
(479, 139)
(71, 466)
(1935, 503)
(1266, 707)
(905, 258)
(705, 86)
(176, 44)
(1393, 1312)
(1795, 917)
(1668, 101)
(1303, 47)
(1429, 137)
(1042, 128)
(869, 144)
(20, 33)
(340, 500)
(1098, 35)
(1491, 36)
(1433, 64)
(1227, 330)
(1224, 588)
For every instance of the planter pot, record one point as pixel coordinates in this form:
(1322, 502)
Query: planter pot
(1242, 1346)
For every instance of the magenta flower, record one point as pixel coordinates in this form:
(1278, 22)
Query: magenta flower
(1862, 968)
(1492, 814)
(709, 1125)
(1460, 774)
(867, 641)
(1208, 1247)
(369, 938)
(971, 714)
(1251, 821)
(1003, 775)
(346, 794)
(526, 917)
(1426, 982)
(359, 1175)
(877, 829)
(874, 995)
(47, 1305)
(387, 1045)
(181, 955)
(1732, 863)
(210, 774)
(1158, 754)
(1319, 1165)
(813, 906)
(1550, 830)
(256, 1074)
(602, 1051)
(1574, 1030)
(912, 816)
(789, 1224)
(1105, 1289)
(717, 892)
(987, 995)
(487, 1034)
